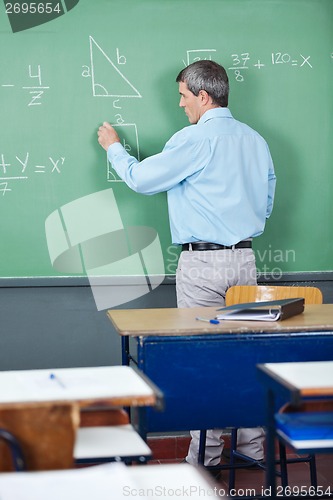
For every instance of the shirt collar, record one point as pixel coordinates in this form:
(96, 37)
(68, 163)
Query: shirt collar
(215, 113)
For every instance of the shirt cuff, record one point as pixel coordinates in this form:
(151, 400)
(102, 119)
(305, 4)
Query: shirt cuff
(114, 150)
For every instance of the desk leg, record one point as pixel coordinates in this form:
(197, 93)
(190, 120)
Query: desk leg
(270, 441)
(202, 447)
(125, 356)
(142, 422)
(232, 471)
(125, 361)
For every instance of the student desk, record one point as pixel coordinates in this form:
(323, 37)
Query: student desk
(113, 386)
(295, 382)
(112, 481)
(207, 372)
(41, 407)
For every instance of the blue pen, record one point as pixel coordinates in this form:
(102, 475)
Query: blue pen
(212, 321)
(54, 377)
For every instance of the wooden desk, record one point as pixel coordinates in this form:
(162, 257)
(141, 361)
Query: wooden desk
(294, 382)
(42, 407)
(207, 372)
(300, 380)
(180, 322)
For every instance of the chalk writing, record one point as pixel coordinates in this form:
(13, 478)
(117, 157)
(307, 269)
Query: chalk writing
(259, 64)
(106, 78)
(198, 55)
(242, 62)
(36, 89)
(18, 169)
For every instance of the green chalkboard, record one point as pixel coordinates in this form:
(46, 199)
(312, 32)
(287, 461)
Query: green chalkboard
(117, 60)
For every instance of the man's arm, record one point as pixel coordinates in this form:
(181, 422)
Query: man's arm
(271, 188)
(158, 173)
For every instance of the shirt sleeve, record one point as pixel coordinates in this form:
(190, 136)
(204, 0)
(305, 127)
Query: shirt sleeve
(271, 186)
(179, 159)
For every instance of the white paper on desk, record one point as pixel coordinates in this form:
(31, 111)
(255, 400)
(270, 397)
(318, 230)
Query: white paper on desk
(81, 383)
(102, 482)
(64, 385)
(251, 315)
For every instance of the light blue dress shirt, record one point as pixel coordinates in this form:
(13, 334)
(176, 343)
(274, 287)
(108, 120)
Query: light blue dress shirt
(218, 175)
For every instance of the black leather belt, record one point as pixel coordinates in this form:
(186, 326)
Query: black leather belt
(201, 246)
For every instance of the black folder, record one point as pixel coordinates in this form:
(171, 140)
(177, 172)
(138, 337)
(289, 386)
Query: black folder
(272, 310)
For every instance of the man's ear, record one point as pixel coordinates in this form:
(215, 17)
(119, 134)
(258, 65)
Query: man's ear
(204, 97)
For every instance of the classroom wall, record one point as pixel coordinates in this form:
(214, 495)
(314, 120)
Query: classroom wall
(59, 326)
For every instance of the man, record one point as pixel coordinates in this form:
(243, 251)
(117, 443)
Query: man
(220, 184)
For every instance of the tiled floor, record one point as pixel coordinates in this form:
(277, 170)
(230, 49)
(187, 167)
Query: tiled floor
(248, 481)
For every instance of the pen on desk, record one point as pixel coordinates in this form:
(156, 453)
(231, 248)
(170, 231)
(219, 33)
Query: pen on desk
(55, 377)
(212, 321)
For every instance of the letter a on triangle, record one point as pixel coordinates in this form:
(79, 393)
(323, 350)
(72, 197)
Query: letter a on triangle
(107, 79)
